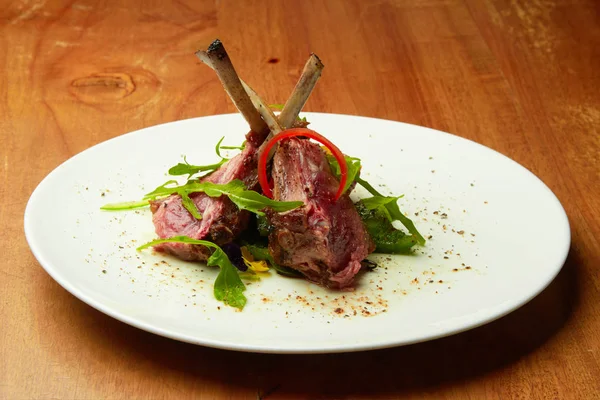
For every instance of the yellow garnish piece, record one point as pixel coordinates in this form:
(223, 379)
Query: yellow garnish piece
(326, 150)
(251, 263)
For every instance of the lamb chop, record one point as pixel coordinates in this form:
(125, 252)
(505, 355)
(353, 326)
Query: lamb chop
(222, 221)
(325, 239)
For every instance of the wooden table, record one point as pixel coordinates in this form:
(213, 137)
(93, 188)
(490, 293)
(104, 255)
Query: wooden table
(519, 76)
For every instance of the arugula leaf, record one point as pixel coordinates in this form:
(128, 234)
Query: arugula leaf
(394, 211)
(247, 199)
(368, 186)
(186, 168)
(235, 190)
(374, 202)
(190, 205)
(240, 147)
(228, 286)
(386, 237)
(218, 148)
(126, 205)
(164, 190)
(160, 191)
(262, 253)
(189, 169)
(353, 165)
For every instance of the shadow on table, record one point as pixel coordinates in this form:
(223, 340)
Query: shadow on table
(430, 365)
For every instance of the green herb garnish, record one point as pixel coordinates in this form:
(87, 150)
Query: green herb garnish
(218, 148)
(394, 211)
(391, 207)
(188, 169)
(377, 201)
(386, 237)
(235, 190)
(228, 286)
(128, 205)
(354, 167)
(240, 147)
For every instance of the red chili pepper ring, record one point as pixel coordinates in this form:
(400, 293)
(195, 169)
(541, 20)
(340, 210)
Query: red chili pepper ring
(309, 133)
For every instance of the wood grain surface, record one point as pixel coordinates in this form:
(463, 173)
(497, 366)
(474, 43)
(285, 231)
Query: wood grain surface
(519, 76)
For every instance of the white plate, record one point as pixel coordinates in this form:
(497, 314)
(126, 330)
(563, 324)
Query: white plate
(499, 237)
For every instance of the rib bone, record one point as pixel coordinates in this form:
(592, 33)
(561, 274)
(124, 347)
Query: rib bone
(268, 116)
(293, 106)
(306, 83)
(249, 103)
(308, 79)
(217, 58)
